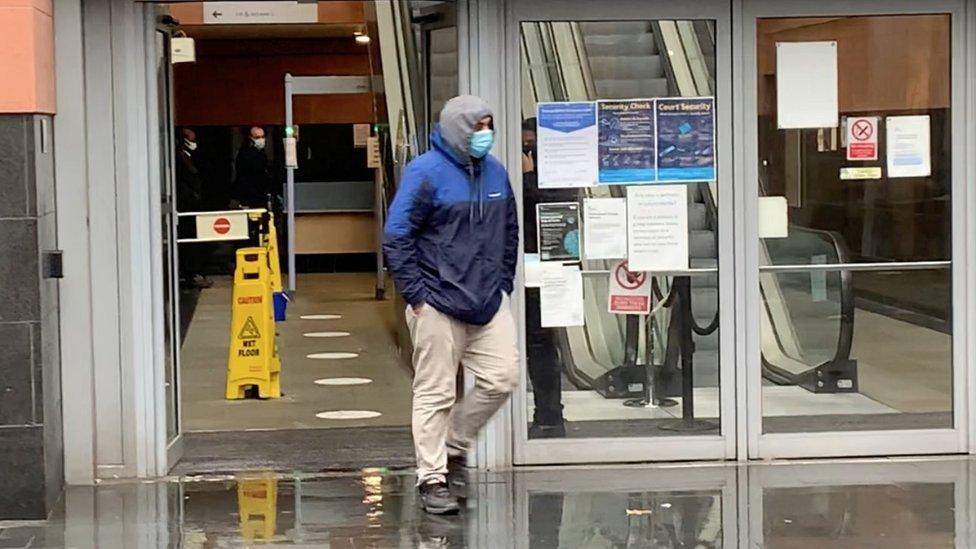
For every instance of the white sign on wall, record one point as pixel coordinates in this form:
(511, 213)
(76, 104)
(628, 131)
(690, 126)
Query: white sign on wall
(259, 13)
(657, 228)
(806, 85)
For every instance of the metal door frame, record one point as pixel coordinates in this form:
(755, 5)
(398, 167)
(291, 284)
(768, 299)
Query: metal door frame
(172, 449)
(850, 443)
(667, 448)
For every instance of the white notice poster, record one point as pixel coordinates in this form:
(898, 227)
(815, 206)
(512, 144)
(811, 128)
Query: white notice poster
(605, 228)
(657, 228)
(909, 147)
(567, 141)
(806, 85)
(561, 297)
(360, 135)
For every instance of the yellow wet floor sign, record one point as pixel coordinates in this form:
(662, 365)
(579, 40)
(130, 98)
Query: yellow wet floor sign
(253, 358)
(257, 506)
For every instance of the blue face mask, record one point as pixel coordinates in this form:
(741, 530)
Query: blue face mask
(481, 142)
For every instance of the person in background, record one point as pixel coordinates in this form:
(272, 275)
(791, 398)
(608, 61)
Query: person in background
(189, 198)
(545, 372)
(253, 182)
(451, 242)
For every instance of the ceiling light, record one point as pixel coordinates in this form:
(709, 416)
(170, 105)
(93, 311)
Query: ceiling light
(362, 39)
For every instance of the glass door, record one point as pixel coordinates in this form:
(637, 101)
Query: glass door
(171, 309)
(652, 82)
(853, 174)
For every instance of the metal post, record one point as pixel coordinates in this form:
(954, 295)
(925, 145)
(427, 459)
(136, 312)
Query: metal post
(378, 212)
(686, 344)
(290, 192)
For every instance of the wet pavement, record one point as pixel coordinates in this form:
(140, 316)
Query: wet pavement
(877, 503)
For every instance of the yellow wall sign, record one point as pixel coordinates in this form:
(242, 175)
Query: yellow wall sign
(852, 173)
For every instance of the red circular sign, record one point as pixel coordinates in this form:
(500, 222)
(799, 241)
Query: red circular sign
(862, 130)
(627, 279)
(221, 225)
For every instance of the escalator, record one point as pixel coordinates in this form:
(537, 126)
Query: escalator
(806, 333)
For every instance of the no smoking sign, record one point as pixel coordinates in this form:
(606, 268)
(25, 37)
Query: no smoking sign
(630, 292)
(862, 138)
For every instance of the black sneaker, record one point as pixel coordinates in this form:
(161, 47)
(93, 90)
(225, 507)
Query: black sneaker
(541, 430)
(457, 476)
(436, 499)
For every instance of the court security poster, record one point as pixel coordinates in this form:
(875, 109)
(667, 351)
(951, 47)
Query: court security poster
(626, 142)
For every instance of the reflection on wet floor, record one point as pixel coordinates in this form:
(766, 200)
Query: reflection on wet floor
(890, 503)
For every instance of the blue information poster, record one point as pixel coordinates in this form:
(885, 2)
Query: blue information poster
(567, 144)
(685, 139)
(626, 141)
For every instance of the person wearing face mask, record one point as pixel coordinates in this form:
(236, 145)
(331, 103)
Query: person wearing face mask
(189, 198)
(253, 181)
(451, 242)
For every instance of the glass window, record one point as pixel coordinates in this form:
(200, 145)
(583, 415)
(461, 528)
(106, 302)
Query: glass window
(622, 375)
(868, 347)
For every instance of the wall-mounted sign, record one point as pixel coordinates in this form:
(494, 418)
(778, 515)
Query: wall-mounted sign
(630, 292)
(259, 13)
(862, 138)
(626, 141)
(909, 148)
(182, 49)
(558, 231)
(657, 227)
(685, 139)
(567, 141)
(860, 172)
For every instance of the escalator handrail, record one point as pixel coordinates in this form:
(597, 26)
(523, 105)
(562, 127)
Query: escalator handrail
(845, 339)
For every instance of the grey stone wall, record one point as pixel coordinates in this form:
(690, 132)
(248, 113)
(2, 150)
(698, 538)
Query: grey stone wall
(31, 467)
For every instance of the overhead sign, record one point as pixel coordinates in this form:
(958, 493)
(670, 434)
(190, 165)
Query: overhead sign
(259, 13)
(221, 226)
(630, 292)
(862, 138)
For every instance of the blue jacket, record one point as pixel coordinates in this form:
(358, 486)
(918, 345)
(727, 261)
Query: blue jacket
(451, 237)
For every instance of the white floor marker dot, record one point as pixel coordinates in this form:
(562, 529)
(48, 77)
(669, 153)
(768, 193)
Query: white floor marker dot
(327, 334)
(348, 414)
(332, 356)
(339, 381)
(321, 317)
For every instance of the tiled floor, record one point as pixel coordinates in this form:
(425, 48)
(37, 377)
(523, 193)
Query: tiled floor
(204, 361)
(839, 504)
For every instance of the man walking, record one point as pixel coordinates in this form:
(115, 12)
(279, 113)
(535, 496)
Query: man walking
(452, 244)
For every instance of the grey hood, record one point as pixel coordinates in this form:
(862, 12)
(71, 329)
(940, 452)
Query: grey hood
(458, 119)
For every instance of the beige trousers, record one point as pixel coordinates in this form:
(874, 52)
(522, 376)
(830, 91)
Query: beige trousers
(440, 344)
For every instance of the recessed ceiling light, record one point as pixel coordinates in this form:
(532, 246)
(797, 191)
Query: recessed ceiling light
(362, 39)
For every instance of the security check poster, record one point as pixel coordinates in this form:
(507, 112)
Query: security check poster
(685, 139)
(626, 141)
